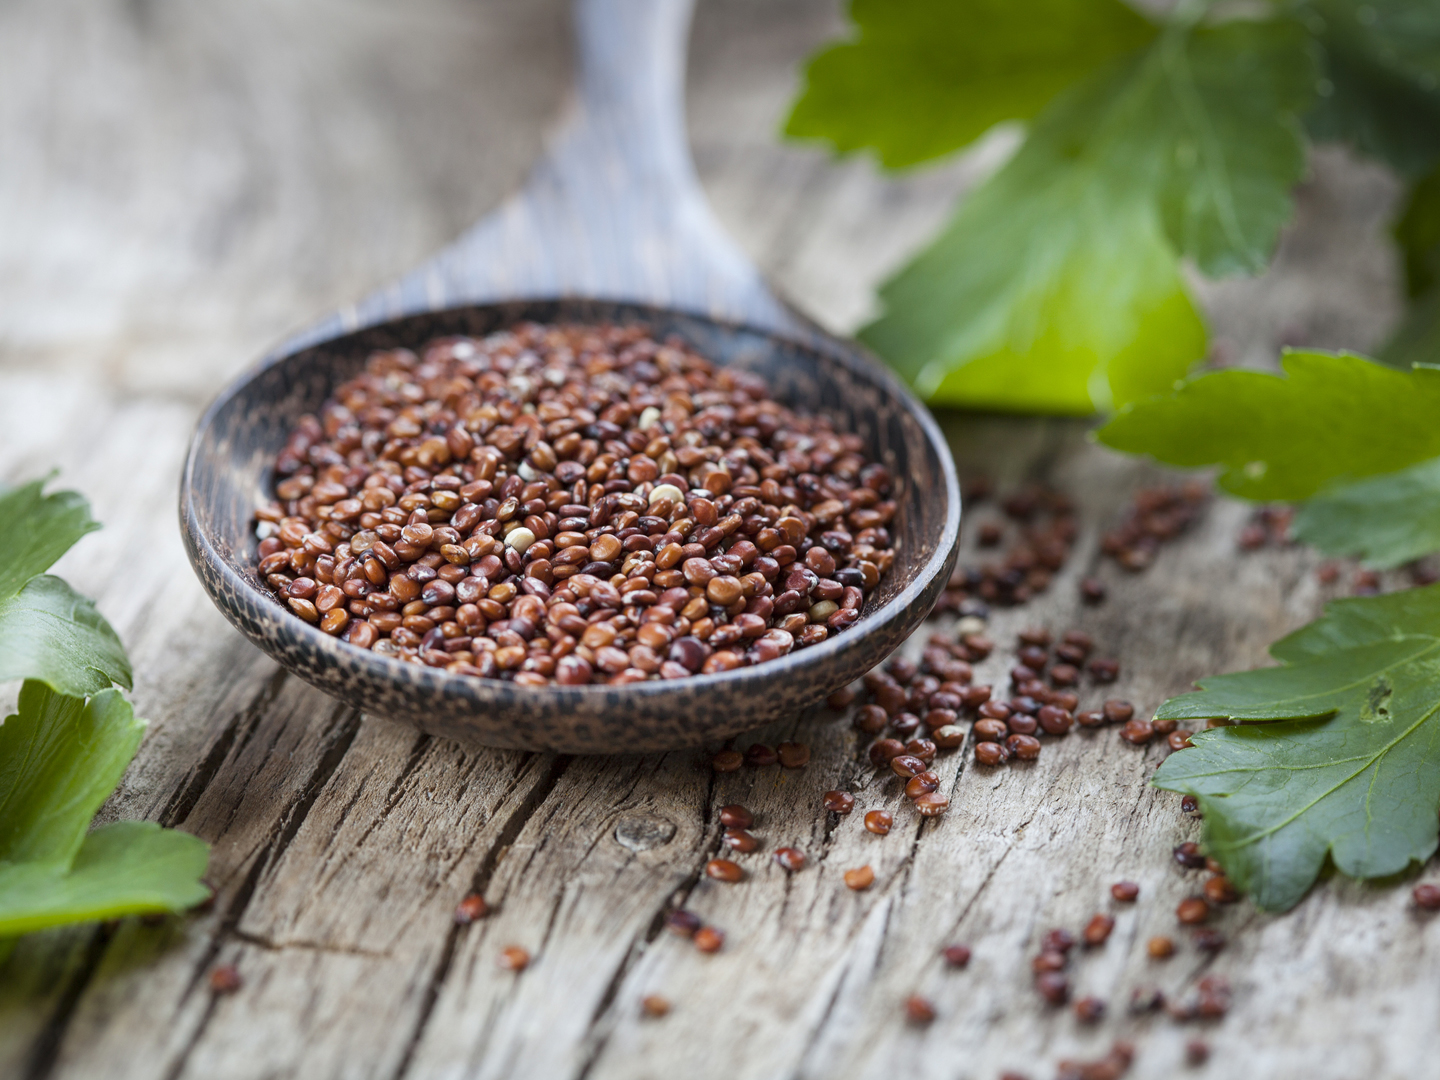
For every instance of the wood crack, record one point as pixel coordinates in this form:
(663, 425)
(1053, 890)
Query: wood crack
(417, 755)
(602, 1017)
(340, 736)
(270, 945)
(512, 828)
(182, 803)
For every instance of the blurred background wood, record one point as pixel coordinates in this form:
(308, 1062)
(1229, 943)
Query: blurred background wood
(183, 185)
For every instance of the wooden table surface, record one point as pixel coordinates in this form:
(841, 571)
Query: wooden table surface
(183, 184)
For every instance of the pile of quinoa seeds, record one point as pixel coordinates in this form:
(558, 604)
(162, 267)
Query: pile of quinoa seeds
(572, 504)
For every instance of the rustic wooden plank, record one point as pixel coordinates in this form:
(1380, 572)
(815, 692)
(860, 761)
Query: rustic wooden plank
(354, 922)
(342, 844)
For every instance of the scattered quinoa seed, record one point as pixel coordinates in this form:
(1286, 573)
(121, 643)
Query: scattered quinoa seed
(471, 908)
(225, 979)
(514, 958)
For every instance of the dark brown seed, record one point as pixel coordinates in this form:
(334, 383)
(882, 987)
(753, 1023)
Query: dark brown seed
(921, 784)
(790, 858)
(1178, 740)
(793, 755)
(1189, 804)
(918, 1010)
(1053, 987)
(841, 699)
(860, 878)
(1197, 1052)
(1092, 590)
(739, 840)
(471, 908)
(1061, 941)
(1089, 1010)
(1193, 910)
(655, 1006)
(709, 939)
(991, 753)
(906, 724)
(883, 750)
(1098, 929)
(1054, 720)
(871, 719)
(1048, 961)
(514, 958)
(956, 955)
(1034, 656)
(1220, 890)
(1426, 897)
(989, 730)
(994, 710)
(1214, 997)
(1090, 718)
(727, 761)
(879, 822)
(1117, 711)
(1024, 747)
(736, 816)
(948, 737)
(1022, 724)
(225, 979)
(932, 805)
(1104, 670)
(906, 765)
(1209, 940)
(924, 749)
(759, 755)
(839, 802)
(1189, 855)
(1064, 675)
(682, 923)
(1127, 892)
(724, 870)
(1137, 732)
(1160, 947)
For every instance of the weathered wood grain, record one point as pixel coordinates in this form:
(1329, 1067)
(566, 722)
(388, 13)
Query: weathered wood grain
(185, 185)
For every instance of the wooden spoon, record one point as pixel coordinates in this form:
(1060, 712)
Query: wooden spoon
(611, 226)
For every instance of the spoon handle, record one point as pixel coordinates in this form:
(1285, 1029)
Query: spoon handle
(612, 210)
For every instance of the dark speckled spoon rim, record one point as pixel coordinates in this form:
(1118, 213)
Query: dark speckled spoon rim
(288, 625)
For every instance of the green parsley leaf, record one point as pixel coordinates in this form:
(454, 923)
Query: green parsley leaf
(925, 77)
(127, 868)
(51, 632)
(1386, 520)
(1381, 64)
(36, 529)
(1056, 286)
(47, 630)
(1288, 437)
(1351, 768)
(60, 757)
